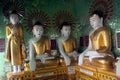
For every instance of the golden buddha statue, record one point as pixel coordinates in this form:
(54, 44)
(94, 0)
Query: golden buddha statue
(67, 44)
(15, 52)
(98, 52)
(39, 46)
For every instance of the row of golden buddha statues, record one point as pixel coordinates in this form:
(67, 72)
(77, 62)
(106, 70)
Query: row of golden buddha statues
(98, 52)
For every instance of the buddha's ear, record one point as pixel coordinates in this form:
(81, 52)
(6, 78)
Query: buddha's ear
(43, 29)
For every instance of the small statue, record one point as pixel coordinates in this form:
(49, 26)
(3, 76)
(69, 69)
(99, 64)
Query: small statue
(15, 50)
(39, 46)
(99, 49)
(67, 44)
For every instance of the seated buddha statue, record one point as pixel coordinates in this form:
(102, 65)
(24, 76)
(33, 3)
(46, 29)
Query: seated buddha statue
(67, 44)
(39, 46)
(98, 52)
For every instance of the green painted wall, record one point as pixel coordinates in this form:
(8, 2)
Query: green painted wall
(78, 8)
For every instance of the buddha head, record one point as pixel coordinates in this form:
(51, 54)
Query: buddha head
(96, 19)
(14, 18)
(65, 29)
(38, 30)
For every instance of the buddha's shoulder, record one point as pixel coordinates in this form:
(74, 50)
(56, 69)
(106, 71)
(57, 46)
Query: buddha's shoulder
(105, 28)
(61, 38)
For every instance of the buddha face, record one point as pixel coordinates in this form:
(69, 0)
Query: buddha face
(96, 21)
(38, 31)
(66, 30)
(14, 19)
